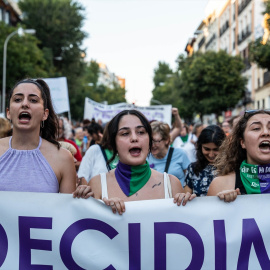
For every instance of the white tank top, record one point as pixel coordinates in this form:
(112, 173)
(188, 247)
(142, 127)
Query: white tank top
(167, 186)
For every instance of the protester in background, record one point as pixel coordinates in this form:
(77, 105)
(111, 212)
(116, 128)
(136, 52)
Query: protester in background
(86, 122)
(189, 147)
(95, 161)
(5, 128)
(32, 160)
(130, 137)
(182, 139)
(79, 137)
(243, 163)
(233, 121)
(164, 158)
(96, 132)
(177, 125)
(226, 127)
(201, 173)
(62, 137)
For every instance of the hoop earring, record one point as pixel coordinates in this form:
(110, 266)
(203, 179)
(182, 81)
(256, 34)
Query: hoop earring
(42, 124)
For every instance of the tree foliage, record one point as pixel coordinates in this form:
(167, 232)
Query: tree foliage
(203, 84)
(91, 89)
(58, 27)
(211, 82)
(24, 57)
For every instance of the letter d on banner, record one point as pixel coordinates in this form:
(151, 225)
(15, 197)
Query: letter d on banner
(164, 228)
(3, 245)
(71, 233)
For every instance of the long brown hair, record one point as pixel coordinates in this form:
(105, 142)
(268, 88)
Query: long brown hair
(50, 129)
(231, 154)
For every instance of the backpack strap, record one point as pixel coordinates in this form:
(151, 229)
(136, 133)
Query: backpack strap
(169, 159)
(105, 157)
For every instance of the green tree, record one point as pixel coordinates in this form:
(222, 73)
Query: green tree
(99, 93)
(24, 57)
(161, 73)
(167, 84)
(211, 82)
(58, 27)
(259, 51)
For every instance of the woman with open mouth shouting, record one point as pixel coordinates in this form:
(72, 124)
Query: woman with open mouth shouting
(130, 137)
(243, 162)
(31, 159)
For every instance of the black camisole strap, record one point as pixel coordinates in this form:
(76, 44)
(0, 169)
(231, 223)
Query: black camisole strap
(238, 183)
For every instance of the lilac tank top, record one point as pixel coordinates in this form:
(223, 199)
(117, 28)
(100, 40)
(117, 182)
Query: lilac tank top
(26, 170)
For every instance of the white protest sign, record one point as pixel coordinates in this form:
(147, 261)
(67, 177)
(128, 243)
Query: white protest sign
(59, 93)
(55, 231)
(105, 113)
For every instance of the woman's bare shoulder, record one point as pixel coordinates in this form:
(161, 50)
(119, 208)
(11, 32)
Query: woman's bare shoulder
(156, 175)
(220, 183)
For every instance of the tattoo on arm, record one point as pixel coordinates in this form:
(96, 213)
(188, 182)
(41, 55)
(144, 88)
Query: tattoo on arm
(155, 185)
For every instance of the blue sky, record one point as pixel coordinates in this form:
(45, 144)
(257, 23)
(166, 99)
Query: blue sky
(131, 36)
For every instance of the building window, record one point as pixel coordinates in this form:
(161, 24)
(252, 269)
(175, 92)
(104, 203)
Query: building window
(263, 104)
(7, 17)
(258, 104)
(1, 14)
(259, 83)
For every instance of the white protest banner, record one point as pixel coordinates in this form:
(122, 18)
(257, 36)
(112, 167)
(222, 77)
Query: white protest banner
(55, 231)
(105, 113)
(59, 93)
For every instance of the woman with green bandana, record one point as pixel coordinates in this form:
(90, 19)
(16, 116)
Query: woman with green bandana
(130, 137)
(243, 163)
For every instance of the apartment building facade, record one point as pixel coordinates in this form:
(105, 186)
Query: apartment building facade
(231, 25)
(108, 78)
(10, 13)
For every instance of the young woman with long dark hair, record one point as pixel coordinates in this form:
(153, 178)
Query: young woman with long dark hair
(31, 159)
(201, 173)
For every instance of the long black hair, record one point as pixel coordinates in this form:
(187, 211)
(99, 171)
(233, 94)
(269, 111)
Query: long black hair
(50, 129)
(114, 124)
(211, 134)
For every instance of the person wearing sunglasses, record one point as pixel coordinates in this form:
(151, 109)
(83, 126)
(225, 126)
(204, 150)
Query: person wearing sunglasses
(243, 163)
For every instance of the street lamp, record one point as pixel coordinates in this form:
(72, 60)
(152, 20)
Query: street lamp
(20, 31)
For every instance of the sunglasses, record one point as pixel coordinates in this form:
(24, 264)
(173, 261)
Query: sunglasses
(251, 112)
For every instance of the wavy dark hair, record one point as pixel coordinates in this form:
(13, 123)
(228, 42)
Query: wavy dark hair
(50, 130)
(211, 134)
(105, 142)
(114, 124)
(231, 154)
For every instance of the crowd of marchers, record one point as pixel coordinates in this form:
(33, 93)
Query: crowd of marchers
(129, 158)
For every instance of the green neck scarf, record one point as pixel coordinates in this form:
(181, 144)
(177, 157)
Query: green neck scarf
(255, 178)
(184, 138)
(132, 178)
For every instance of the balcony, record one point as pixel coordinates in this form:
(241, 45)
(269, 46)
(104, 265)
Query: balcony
(244, 35)
(243, 5)
(266, 77)
(224, 28)
(201, 42)
(210, 41)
